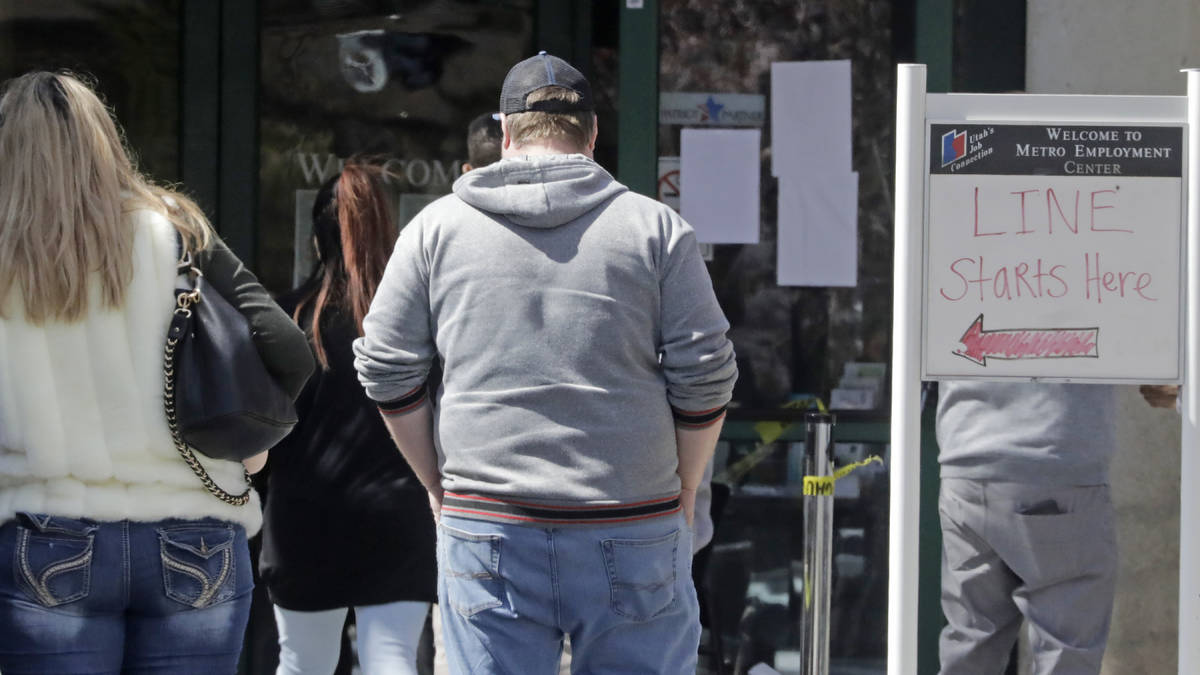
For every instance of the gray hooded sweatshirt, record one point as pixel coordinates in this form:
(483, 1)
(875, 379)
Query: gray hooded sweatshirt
(1026, 432)
(576, 325)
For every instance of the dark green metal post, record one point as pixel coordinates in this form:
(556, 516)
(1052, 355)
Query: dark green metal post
(637, 97)
(934, 48)
(935, 42)
(199, 101)
(553, 25)
(219, 116)
(564, 29)
(238, 210)
(929, 551)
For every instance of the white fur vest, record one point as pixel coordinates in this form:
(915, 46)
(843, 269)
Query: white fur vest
(82, 428)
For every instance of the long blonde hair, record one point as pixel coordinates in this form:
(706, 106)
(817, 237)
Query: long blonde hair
(66, 184)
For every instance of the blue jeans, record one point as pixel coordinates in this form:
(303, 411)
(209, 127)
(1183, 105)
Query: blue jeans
(79, 596)
(623, 593)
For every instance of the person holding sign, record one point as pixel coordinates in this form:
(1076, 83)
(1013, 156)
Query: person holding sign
(1161, 395)
(1027, 524)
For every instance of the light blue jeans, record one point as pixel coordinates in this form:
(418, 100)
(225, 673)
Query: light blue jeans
(509, 593)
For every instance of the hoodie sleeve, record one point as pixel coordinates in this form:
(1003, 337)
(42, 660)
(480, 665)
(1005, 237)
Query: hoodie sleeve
(697, 357)
(396, 351)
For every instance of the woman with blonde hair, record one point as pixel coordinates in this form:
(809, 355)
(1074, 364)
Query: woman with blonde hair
(113, 556)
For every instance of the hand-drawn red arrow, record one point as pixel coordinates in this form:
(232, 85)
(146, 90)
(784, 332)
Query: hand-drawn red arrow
(1027, 343)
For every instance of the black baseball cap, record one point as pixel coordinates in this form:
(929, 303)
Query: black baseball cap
(538, 72)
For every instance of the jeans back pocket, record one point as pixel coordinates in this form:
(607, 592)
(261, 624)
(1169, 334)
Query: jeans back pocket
(471, 567)
(53, 558)
(641, 575)
(198, 563)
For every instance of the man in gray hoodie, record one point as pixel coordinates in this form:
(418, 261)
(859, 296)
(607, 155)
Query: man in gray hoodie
(586, 374)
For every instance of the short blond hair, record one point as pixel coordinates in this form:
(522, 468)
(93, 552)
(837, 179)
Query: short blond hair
(575, 128)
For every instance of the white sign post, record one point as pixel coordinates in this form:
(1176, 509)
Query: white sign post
(1189, 476)
(905, 505)
(1039, 238)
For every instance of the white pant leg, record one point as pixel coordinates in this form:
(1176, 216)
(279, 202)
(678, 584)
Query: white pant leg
(388, 636)
(309, 642)
(440, 665)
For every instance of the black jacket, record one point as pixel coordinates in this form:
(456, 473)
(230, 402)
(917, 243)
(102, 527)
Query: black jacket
(283, 349)
(346, 522)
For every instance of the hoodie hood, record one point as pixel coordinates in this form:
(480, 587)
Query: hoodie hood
(544, 191)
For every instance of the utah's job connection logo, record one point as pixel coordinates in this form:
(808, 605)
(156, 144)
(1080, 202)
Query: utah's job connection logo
(954, 146)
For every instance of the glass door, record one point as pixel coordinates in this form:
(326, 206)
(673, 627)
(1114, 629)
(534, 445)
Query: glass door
(396, 81)
(129, 49)
(795, 344)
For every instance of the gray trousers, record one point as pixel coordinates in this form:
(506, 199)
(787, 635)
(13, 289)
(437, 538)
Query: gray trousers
(1014, 551)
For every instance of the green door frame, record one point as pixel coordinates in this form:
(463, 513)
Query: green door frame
(637, 97)
(565, 29)
(218, 144)
(199, 94)
(934, 43)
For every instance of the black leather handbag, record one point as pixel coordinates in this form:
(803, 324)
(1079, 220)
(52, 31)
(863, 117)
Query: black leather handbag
(219, 398)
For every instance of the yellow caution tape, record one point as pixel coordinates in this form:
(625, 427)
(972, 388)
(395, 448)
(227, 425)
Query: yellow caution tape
(770, 431)
(822, 486)
(807, 587)
(818, 486)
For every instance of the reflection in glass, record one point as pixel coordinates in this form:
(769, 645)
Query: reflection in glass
(130, 48)
(792, 342)
(339, 78)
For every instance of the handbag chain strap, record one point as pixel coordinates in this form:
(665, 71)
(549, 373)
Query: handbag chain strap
(182, 311)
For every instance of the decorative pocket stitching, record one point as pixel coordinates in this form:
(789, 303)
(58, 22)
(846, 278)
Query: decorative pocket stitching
(624, 593)
(46, 524)
(41, 585)
(210, 585)
(488, 579)
(207, 589)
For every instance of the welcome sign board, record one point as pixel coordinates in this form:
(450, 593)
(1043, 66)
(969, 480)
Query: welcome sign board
(1054, 251)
